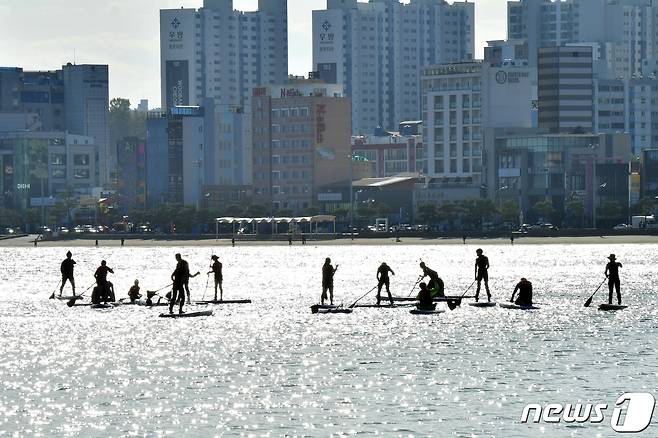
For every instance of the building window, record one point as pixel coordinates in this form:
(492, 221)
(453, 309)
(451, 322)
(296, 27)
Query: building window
(58, 159)
(81, 174)
(81, 159)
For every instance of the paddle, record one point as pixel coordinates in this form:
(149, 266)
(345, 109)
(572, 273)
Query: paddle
(206, 288)
(363, 296)
(589, 300)
(72, 301)
(52, 296)
(420, 278)
(453, 304)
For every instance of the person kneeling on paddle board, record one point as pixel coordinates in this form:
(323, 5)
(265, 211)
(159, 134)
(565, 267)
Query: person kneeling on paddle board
(435, 285)
(524, 288)
(66, 269)
(102, 291)
(179, 277)
(133, 293)
(384, 280)
(425, 301)
(328, 272)
(612, 274)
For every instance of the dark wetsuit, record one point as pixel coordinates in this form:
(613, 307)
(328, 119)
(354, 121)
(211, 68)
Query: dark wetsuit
(328, 272)
(217, 271)
(384, 280)
(104, 293)
(525, 293)
(482, 273)
(133, 294)
(187, 278)
(425, 300)
(612, 271)
(435, 285)
(67, 273)
(180, 276)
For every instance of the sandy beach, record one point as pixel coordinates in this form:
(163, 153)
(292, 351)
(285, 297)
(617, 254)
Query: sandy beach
(28, 241)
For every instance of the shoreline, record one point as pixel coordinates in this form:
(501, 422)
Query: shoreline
(28, 241)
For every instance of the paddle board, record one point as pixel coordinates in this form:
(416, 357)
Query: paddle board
(482, 304)
(224, 302)
(186, 315)
(335, 310)
(69, 297)
(105, 305)
(517, 307)
(143, 303)
(426, 312)
(316, 307)
(611, 307)
(436, 299)
(378, 306)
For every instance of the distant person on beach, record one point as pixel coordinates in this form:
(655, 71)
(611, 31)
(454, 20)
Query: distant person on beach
(233, 242)
(612, 274)
(511, 239)
(179, 277)
(133, 293)
(524, 288)
(328, 272)
(464, 239)
(289, 239)
(384, 280)
(425, 301)
(435, 285)
(66, 268)
(303, 239)
(482, 274)
(216, 269)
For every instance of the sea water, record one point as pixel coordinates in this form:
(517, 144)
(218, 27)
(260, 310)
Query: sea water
(272, 368)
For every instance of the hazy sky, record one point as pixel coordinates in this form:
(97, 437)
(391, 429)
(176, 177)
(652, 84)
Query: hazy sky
(43, 35)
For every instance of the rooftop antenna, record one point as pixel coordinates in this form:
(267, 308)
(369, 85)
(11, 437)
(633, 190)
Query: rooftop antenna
(73, 56)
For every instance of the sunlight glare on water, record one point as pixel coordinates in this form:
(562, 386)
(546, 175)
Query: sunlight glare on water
(271, 368)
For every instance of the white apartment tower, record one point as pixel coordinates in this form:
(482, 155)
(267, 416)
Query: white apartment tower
(220, 53)
(624, 31)
(377, 50)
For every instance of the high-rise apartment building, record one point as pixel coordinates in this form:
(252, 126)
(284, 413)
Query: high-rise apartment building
(566, 89)
(623, 30)
(377, 50)
(87, 103)
(219, 53)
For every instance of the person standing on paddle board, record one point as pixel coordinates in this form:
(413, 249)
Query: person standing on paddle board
(66, 269)
(435, 285)
(482, 273)
(383, 280)
(524, 288)
(612, 274)
(328, 272)
(101, 281)
(179, 278)
(216, 268)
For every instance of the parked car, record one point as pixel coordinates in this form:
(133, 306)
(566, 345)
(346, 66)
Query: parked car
(9, 231)
(621, 227)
